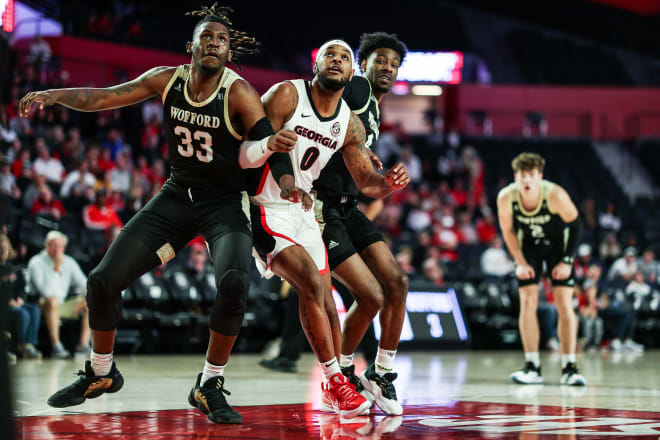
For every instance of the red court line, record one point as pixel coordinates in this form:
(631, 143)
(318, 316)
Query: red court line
(455, 420)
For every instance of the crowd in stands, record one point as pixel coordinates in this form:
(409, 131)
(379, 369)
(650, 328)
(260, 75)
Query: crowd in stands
(88, 182)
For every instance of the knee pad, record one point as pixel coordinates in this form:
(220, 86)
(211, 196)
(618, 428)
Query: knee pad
(103, 304)
(230, 304)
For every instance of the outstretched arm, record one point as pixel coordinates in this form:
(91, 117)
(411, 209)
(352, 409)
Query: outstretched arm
(359, 164)
(150, 83)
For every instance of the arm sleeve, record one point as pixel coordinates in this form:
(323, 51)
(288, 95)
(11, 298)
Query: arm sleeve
(254, 152)
(357, 93)
(574, 230)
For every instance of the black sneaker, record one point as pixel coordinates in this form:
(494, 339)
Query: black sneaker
(279, 364)
(88, 386)
(571, 376)
(210, 399)
(529, 375)
(382, 388)
(349, 372)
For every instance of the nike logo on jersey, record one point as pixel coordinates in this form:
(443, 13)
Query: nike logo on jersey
(177, 87)
(305, 116)
(333, 244)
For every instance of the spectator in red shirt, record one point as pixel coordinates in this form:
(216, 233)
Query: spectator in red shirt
(46, 204)
(98, 216)
(486, 229)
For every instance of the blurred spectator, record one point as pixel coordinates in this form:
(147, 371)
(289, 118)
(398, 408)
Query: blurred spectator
(39, 52)
(51, 275)
(495, 262)
(459, 194)
(120, 175)
(24, 317)
(584, 261)
(7, 180)
(105, 161)
(387, 148)
(157, 173)
(418, 218)
(486, 228)
(77, 180)
(46, 205)
(412, 163)
(445, 237)
(465, 230)
(7, 134)
(432, 273)
(589, 220)
(404, 257)
(152, 112)
(46, 165)
(114, 143)
(638, 289)
(624, 268)
(610, 249)
(591, 323)
(474, 166)
(609, 220)
(649, 266)
(98, 215)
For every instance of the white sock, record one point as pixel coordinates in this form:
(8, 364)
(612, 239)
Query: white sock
(346, 360)
(384, 361)
(330, 368)
(211, 370)
(101, 363)
(566, 358)
(533, 357)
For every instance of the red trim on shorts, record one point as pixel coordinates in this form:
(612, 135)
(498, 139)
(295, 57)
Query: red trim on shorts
(326, 269)
(264, 176)
(270, 231)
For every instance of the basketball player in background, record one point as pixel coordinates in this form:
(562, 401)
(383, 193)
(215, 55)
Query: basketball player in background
(208, 109)
(540, 225)
(287, 239)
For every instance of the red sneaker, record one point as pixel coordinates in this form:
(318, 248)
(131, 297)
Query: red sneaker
(346, 402)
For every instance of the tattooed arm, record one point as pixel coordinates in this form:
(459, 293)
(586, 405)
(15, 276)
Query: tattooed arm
(359, 164)
(150, 83)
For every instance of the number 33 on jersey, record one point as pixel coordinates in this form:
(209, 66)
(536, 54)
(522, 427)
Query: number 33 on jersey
(200, 135)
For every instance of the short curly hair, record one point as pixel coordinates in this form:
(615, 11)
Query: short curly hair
(377, 40)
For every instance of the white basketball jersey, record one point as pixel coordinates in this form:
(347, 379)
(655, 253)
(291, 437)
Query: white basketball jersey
(318, 139)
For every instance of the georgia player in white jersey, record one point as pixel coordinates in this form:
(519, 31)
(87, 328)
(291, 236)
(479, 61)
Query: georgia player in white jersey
(320, 124)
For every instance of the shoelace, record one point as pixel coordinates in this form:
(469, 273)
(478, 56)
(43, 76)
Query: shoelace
(352, 378)
(220, 387)
(385, 384)
(346, 392)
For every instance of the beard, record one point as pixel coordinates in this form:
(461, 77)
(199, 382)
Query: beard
(331, 84)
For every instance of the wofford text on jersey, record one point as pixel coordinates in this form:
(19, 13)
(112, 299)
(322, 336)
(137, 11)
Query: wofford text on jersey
(194, 118)
(316, 137)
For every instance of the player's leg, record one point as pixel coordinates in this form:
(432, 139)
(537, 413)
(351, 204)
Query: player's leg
(231, 254)
(151, 238)
(379, 376)
(528, 326)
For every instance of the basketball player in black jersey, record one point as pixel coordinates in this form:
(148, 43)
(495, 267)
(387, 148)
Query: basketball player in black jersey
(207, 108)
(541, 226)
(357, 254)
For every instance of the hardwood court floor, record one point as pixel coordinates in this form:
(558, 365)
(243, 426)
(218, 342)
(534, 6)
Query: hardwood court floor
(464, 395)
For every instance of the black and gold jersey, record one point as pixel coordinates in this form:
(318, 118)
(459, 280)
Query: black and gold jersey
(203, 145)
(542, 226)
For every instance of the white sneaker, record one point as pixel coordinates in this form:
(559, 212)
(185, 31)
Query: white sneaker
(382, 388)
(529, 375)
(633, 346)
(616, 345)
(571, 376)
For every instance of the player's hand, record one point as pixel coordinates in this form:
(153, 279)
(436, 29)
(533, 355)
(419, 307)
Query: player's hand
(44, 98)
(297, 195)
(561, 271)
(397, 177)
(374, 159)
(283, 141)
(525, 272)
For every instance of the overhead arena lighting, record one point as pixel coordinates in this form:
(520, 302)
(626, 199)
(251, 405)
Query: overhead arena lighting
(426, 90)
